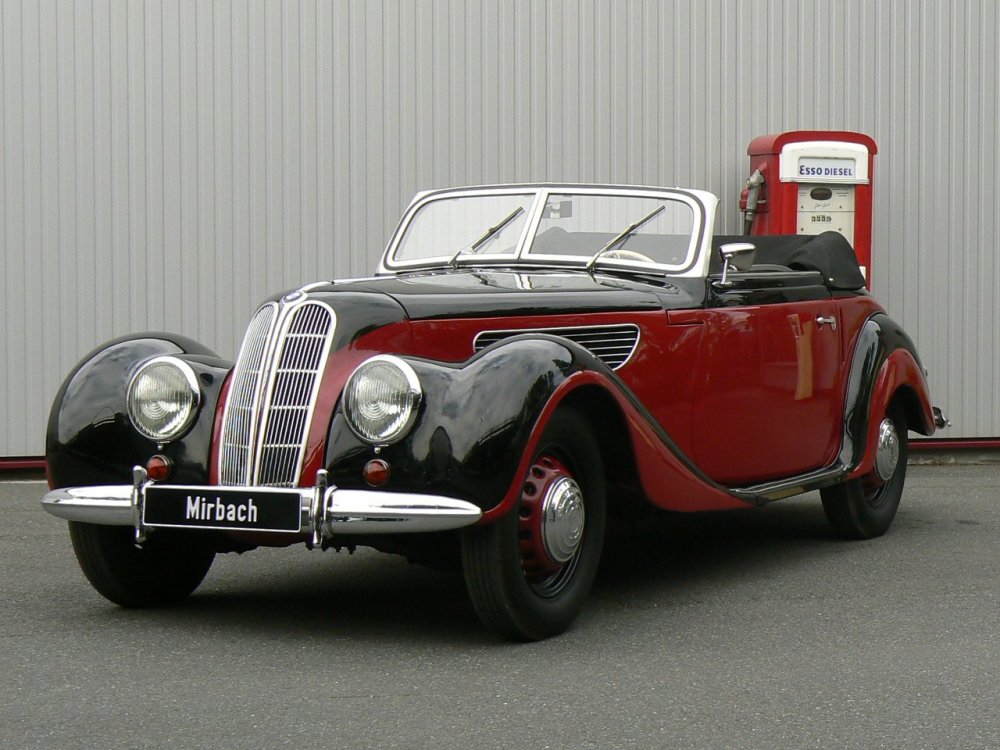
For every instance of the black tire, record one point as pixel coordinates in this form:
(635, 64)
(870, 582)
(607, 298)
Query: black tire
(512, 599)
(165, 571)
(864, 508)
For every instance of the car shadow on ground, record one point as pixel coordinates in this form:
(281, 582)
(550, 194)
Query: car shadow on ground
(369, 595)
(373, 596)
(698, 549)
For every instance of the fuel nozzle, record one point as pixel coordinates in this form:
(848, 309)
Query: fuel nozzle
(751, 197)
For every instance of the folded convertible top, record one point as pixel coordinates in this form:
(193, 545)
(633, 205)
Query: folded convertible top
(829, 253)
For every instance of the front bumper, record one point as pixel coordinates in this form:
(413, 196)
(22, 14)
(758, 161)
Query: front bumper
(326, 512)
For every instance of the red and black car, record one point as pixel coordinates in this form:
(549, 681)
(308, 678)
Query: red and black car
(526, 359)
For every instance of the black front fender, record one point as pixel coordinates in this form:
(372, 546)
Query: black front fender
(475, 421)
(90, 439)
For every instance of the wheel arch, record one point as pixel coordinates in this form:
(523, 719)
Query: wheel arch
(889, 372)
(632, 446)
(908, 400)
(614, 441)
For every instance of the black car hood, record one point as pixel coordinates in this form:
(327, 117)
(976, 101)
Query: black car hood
(487, 293)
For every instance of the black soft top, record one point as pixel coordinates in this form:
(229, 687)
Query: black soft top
(829, 253)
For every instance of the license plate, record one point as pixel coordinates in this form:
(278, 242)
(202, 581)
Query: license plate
(243, 508)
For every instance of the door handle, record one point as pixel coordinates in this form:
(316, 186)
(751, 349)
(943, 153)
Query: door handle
(821, 321)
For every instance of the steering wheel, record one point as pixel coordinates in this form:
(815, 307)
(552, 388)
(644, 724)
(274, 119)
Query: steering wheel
(628, 255)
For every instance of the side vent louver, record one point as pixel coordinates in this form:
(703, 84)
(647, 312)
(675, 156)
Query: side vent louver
(612, 344)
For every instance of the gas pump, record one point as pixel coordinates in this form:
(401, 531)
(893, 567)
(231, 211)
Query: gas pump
(810, 182)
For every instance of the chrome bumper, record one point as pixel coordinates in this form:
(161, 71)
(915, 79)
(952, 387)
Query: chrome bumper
(325, 512)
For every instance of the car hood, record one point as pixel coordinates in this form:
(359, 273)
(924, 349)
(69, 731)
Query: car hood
(488, 293)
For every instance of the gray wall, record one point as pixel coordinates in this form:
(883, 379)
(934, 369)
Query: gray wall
(166, 164)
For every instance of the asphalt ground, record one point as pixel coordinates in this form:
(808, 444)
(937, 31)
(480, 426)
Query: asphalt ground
(753, 629)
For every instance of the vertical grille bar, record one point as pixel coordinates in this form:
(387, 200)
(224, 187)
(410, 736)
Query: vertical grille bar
(244, 399)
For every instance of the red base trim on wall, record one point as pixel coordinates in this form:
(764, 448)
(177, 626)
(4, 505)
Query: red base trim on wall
(16, 463)
(956, 444)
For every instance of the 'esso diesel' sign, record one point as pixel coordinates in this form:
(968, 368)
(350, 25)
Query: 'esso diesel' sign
(824, 162)
(838, 168)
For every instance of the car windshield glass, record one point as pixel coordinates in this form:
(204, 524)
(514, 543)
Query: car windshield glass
(451, 227)
(581, 225)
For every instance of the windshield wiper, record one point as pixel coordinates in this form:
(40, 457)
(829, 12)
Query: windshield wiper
(491, 232)
(629, 230)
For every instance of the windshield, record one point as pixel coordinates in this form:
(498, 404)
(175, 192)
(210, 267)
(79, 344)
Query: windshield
(554, 225)
(466, 225)
(584, 225)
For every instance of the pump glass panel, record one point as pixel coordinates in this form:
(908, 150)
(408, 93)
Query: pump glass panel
(826, 208)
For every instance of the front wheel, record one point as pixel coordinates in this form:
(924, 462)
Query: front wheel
(864, 508)
(167, 568)
(529, 573)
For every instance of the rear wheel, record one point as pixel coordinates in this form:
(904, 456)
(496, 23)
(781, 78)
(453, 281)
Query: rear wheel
(529, 573)
(864, 508)
(167, 568)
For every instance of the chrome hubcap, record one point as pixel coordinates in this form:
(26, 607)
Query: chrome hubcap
(887, 452)
(563, 518)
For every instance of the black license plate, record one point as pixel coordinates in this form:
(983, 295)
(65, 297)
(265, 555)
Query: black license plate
(245, 508)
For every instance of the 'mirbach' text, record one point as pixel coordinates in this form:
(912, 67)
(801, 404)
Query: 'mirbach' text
(202, 509)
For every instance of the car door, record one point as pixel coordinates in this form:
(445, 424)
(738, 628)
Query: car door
(768, 399)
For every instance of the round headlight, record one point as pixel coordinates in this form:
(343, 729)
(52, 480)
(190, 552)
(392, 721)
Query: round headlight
(163, 397)
(381, 399)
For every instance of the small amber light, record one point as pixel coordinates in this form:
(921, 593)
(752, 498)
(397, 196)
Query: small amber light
(376, 472)
(158, 468)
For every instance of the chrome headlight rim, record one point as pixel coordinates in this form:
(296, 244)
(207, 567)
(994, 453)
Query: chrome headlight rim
(414, 393)
(190, 378)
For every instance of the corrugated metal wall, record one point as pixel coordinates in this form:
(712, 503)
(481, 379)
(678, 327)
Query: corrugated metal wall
(167, 164)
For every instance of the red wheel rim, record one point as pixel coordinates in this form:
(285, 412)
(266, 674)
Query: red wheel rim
(549, 548)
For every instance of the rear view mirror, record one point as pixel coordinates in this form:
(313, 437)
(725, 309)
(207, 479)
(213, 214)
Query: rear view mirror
(558, 210)
(736, 256)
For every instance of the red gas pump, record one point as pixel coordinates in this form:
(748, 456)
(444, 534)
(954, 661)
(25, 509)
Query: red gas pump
(810, 182)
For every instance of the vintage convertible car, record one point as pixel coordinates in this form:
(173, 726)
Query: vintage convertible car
(527, 359)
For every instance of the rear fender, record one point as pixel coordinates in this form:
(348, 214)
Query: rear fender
(885, 368)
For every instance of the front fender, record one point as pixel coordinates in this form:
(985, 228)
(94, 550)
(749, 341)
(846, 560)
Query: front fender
(475, 421)
(90, 440)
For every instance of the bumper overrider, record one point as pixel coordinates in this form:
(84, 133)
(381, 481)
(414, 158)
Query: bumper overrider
(321, 512)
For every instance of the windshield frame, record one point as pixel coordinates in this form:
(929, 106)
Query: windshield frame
(702, 205)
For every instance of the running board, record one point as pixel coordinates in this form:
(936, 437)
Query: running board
(764, 493)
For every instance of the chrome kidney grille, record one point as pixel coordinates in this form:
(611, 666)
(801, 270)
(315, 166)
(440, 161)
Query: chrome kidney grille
(273, 394)
(612, 344)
